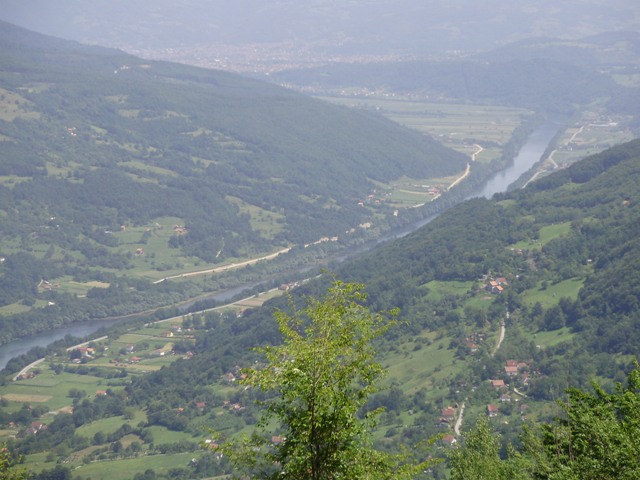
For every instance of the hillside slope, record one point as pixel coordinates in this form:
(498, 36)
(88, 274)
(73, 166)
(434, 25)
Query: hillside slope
(564, 252)
(111, 164)
(577, 227)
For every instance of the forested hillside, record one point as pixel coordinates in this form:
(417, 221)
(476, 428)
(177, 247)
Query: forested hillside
(579, 225)
(565, 246)
(113, 164)
(553, 266)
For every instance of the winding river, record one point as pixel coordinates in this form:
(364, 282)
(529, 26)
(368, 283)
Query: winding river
(530, 153)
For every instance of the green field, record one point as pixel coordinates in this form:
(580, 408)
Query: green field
(126, 469)
(51, 389)
(545, 235)
(424, 363)
(553, 292)
(108, 425)
(458, 126)
(550, 338)
(438, 289)
(478, 131)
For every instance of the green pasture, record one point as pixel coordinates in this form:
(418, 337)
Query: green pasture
(68, 285)
(551, 232)
(268, 223)
(552, 294)
(164, 435)
(126, 469)
(438, 289)
(420, 365)
(14, 308)
(133, 338)
(550, 338)
(408, 192)
(456, 125)
(157, 362)
(50, 389)
(145, 168)
(545, 235)
(109, 425)
(405, 198)
(480, 301)
(11, 180)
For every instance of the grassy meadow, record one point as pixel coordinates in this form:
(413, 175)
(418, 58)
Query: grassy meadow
(456, 125)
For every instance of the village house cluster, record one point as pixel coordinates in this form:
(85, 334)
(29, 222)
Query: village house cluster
(495, 285)
(518, 375)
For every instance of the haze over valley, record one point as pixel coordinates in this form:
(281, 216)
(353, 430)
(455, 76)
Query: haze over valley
(179, 172)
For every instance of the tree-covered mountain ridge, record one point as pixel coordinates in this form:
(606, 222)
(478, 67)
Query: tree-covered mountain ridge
(565, 252)
(567, 246)
(112, 164)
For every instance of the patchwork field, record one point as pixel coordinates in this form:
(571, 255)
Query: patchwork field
(458, 126)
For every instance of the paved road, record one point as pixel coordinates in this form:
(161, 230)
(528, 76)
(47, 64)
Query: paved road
(456, 427)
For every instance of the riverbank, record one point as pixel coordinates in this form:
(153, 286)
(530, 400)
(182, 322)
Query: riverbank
(530, 152)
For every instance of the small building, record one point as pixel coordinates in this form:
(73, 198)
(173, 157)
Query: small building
(449, 440)
(448, 413)
(36, 427)
(511, 371)
(492, 411)
(497, 383)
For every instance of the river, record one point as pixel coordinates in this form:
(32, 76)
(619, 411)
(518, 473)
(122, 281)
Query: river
(23, 345)
(530, 153)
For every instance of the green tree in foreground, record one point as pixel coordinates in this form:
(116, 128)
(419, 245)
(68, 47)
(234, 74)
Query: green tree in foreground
(596, 439)
(7, 469)
(320, 378)
(599, 436)
(479, 459)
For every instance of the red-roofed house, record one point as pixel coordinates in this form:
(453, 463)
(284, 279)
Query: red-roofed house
(449, 413)
(511, 371)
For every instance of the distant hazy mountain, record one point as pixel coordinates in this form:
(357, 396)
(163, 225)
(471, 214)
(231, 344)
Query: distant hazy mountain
(361, 26)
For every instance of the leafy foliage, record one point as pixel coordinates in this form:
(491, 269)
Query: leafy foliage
(479, 459)
(7, 469)
(321, 377)
(595, 439)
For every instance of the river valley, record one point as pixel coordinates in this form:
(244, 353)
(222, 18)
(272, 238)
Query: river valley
(530, 153)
